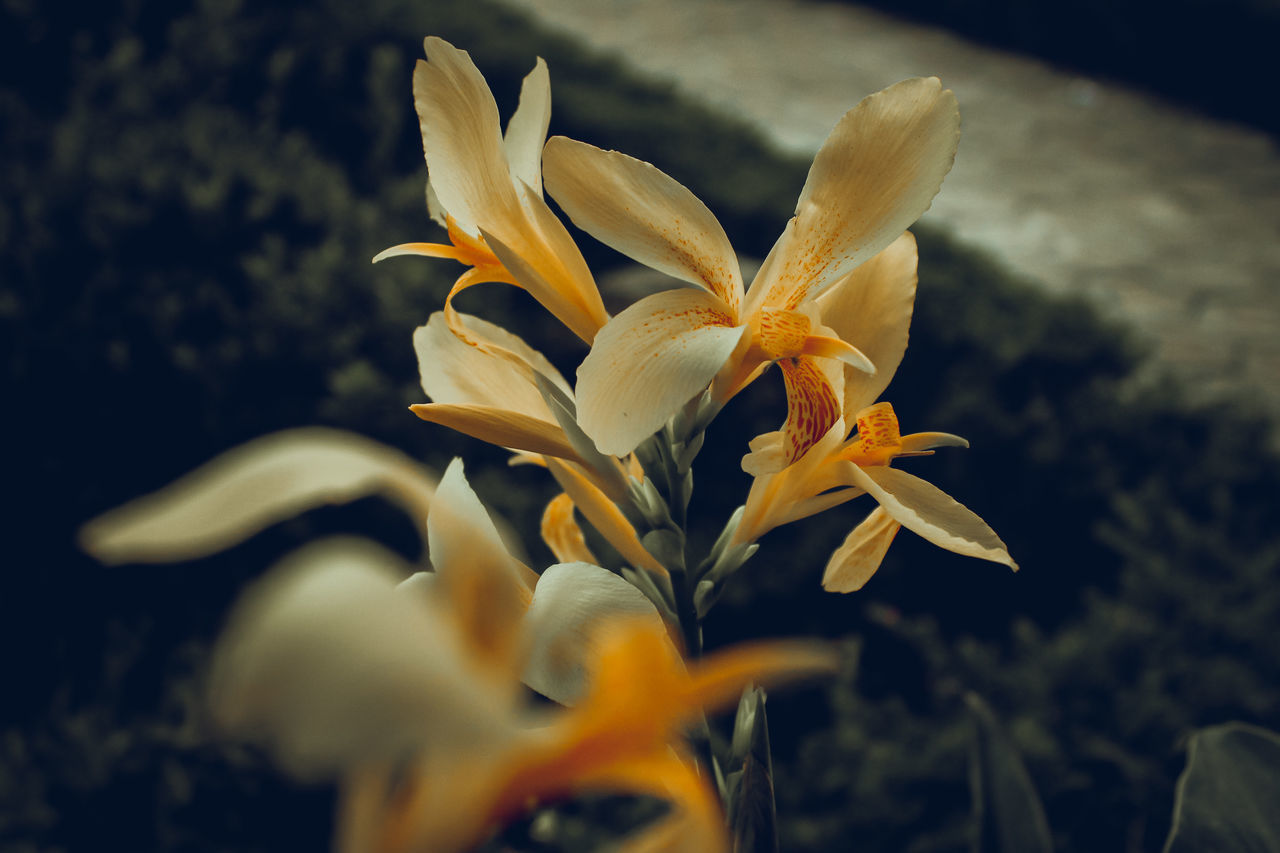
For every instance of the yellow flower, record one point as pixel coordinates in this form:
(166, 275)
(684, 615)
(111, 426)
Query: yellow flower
(486, 189)
(409, 693)
(875, 174)
(873, 306)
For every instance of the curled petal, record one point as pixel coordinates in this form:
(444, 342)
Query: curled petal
(931, 513)
(923, 442)
(327, 665)
(861, 553)
(871, 308)
(527, 129)
(643, 213)
(649, 361)
(876, 174)
(562, 534)
(570, 603)
(251, 487)
(812, 409)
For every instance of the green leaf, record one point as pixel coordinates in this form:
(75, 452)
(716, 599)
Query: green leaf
(1228, 798)
(1008, 817)
(752, 814)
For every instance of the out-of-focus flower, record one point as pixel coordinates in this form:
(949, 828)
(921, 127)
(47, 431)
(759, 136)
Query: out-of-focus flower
(409, 693)
(486, 189)
(873, 306)
(875, 174)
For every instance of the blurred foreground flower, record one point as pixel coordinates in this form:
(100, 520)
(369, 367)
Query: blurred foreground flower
(876, 173)
(487, 190)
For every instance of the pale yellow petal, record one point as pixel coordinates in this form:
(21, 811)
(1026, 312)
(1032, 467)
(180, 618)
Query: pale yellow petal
(252, 487)
(527, 129)
(562, 534)
(501, 427)
(931, 513)
(876, 174)
(603, 515)
(324, 663)
(570, 603)
(643, 213)
(648, 362)
(922, 442)
(871, 308)
(500, 372)
(461, 137)
(861, 553)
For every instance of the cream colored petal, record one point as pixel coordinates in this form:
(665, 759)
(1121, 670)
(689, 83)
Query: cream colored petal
(527, 129)
(920, 442)
(252, 487)
(561, 533)
(861, 553)
(498, 426)
(644, 214)
(648, 362)
(324, 663)
(461, 137)
(871, 308)
(499, 372)
(931, 513)
(773, 495)
(570, 603)
(463, 539)
(423, 250)
(604, 515)
(876, 174)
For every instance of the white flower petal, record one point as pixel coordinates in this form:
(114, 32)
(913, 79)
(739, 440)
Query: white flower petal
(861, 553)
(461, 137)
(645, 214)
(325, 663)
(871, 308)
(648, 362)
(931, 513)
(876, 174)
(251, 487)
(527, 129)
(569, 604)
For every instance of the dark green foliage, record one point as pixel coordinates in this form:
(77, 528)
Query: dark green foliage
(1214, 55)
(192, 192)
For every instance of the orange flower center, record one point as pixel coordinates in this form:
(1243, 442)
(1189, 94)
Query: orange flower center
(879, 439)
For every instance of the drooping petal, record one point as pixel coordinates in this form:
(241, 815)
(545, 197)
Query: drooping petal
(251, 487)
(527, 129)
(931, 513)
(861, 553)
(812, 409)
(649, 361)
(461, 137)
(488, 590)
(328, 666)
(604, 515)
(499, 426)
(871, 308)
(570, 603)
(643, 213)
(876, 174)
(563, 535)
(499, 370)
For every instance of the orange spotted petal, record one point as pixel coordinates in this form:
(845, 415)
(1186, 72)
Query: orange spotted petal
(812, 409)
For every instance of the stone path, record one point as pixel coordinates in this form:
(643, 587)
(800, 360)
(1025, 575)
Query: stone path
(1164, 218)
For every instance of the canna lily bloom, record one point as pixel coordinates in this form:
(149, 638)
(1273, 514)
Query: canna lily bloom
(407, 693)
(491, 389)
(872, 305)
(876, 173)
(486, 189)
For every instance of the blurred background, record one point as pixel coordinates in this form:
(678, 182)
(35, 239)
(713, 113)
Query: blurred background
(192, 190)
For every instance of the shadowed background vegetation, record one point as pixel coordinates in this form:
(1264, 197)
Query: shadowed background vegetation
(192, 191)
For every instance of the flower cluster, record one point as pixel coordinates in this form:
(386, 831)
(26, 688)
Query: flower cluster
(411, 688)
